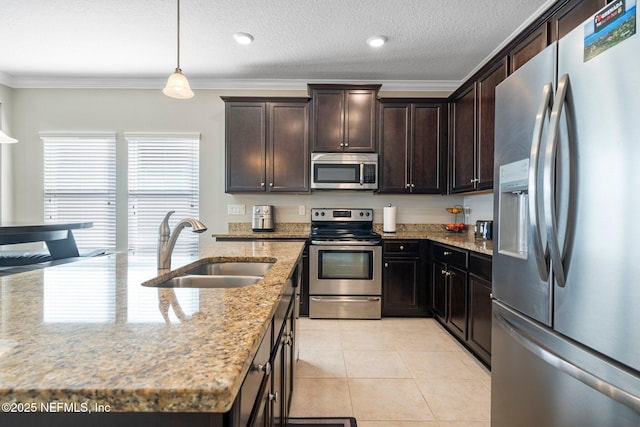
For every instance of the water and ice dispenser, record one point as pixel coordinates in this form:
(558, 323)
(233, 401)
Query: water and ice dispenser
(513, 209)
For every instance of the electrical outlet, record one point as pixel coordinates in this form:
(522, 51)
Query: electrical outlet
(302, 210)
(467, 210)
(235, 209)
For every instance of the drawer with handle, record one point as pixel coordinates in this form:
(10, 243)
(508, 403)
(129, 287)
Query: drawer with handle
(450, 255)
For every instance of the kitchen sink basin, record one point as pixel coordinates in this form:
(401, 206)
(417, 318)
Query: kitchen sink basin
(201, 281)
(231, 269)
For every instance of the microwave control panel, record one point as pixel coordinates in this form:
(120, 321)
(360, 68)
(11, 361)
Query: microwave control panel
(369, 174)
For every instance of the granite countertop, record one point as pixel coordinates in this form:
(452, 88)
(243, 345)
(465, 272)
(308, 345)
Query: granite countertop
(437, 233)
(89, 332)
(434, 232)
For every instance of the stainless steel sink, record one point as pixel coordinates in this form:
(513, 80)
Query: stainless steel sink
(231, 269)
(201, 281)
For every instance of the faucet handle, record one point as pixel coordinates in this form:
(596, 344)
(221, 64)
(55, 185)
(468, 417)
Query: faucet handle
(164, 225)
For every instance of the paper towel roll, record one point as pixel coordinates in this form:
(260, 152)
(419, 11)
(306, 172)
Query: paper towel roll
(389, 219)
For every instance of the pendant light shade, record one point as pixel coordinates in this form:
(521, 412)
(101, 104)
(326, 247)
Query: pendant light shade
(177, 84)
(6, 139)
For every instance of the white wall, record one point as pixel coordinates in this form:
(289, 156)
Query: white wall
(128, 110)
(6, 116)
(481, 206)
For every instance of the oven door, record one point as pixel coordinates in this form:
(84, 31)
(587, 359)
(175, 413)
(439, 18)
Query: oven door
(345, 270)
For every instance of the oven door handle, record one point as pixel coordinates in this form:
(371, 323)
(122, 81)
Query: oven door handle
(361, 173)
(345, 299)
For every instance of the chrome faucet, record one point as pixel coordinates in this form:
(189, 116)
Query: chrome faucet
(167, 240)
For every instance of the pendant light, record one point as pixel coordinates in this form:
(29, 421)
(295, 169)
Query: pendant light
(177, 84)
(4, 138)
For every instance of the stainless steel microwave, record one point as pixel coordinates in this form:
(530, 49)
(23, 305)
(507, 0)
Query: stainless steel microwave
(344, 171)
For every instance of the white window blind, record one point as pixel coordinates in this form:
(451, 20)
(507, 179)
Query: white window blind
(163, 176)
(80, 185)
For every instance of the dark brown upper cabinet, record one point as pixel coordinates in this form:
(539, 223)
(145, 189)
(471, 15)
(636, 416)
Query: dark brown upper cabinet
(411, 143)
(266, 144)
(486, 124)
(343, 117)
(462, 145)
(532, 45)
(473, 129)
(552, 26)
(572, 14)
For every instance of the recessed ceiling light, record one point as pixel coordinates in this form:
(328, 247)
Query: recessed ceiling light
(243, 38)
(376, 41)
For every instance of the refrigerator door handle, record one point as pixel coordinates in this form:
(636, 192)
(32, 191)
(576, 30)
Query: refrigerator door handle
(549, 203)
(616, 393)
(541, 254)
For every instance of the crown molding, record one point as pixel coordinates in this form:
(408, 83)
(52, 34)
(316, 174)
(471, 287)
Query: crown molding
(6, 79)
(43, 82)
(542, 9)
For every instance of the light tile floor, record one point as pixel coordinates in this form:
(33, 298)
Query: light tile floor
(389, 373)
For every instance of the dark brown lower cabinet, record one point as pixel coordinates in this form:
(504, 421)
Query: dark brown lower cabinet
(479, 338)
(457, 301)
(461, 284)
(405, 288)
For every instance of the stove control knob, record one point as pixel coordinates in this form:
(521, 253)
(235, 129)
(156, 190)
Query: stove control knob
(361, 214)
(368, 213)
(322, 213)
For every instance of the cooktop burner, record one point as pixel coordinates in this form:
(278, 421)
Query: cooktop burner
(348, 226)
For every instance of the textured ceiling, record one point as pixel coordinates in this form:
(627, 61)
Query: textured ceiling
(429, 40)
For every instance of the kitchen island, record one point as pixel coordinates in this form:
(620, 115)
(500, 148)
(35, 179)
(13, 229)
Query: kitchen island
(90, 336)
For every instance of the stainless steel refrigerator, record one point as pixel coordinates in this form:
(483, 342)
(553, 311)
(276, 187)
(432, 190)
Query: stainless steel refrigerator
(566, 272)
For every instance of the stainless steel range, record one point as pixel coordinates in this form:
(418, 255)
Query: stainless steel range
(345, 265)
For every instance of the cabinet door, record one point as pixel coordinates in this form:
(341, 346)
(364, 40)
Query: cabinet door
(277, 408)
(463, 142)
(394, 134)
(245, 146)
(288, 147)
(328, 120)
(480, 317)
(403, 290)
(439, 283)
(529, 47)
(425, 176)
(360, 120)
(572, 14)
(486, 124)
(289, 364)
(457, 317)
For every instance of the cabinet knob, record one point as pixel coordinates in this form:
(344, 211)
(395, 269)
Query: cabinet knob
(413, 186)
(473, 181)
(447, 253)
(346, 144)
(262, 184)
(386, 264)
(444, 272)
(273, 397)
(271, 184)
(401, 248)
(342, 144)
(266, 368)
(408, 185)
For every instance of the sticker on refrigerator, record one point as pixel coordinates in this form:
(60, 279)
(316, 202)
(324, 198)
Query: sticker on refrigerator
(613, 24)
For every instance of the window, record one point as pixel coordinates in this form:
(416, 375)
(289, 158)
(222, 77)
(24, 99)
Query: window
(163, 176)
(80, 185)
